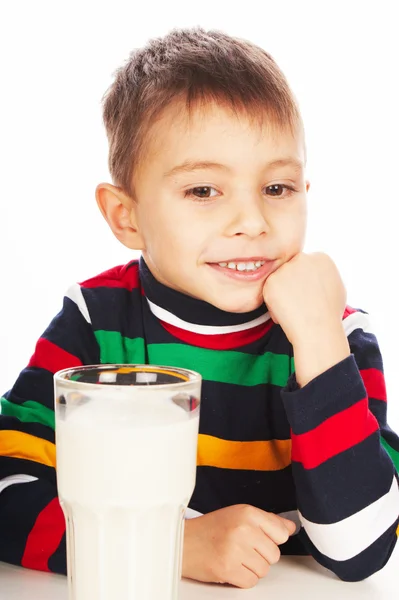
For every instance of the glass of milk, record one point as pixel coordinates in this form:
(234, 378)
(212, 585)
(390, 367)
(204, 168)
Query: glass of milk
(126, 440)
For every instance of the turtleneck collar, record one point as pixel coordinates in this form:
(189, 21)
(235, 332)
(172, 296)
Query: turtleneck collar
(192, 314)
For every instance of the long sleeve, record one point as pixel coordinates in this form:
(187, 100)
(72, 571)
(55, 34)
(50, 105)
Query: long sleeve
(345, 459)
(32, 525)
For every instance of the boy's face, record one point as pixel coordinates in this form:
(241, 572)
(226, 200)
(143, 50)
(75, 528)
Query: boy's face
(211, 242)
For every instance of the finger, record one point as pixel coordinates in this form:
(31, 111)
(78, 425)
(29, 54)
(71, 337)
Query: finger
(274, 527)
(290, 525)
(244, 578)
(267, 549)
(256, 563)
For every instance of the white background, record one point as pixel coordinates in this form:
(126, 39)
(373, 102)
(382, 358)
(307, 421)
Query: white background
(57, 60)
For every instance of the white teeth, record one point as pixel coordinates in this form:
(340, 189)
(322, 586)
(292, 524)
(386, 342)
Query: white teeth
(250, 266)
(243, 266)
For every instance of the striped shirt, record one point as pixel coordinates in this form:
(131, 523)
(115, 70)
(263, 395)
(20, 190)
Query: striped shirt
(322, 455)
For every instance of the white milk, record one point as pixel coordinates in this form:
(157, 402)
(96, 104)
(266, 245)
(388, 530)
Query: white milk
(126, 472)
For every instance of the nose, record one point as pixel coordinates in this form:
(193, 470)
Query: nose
(247, 218)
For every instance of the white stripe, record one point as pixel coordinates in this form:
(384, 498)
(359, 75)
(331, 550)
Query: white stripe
(74, 293)
(168, 317)
(357, 320)
(349, 537)
(192, 514)
(12, 479)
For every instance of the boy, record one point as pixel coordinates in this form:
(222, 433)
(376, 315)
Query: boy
(207, 155)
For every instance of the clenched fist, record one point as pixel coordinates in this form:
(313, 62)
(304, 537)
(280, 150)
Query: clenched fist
(307, 298)
(305, 294)
(233, 545)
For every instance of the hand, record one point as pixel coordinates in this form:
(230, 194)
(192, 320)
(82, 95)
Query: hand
(306, 296)
(233, 545)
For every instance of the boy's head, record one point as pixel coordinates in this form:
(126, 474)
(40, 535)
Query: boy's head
(205, 97)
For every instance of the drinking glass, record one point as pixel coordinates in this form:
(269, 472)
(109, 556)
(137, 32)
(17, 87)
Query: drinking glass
(126, 444)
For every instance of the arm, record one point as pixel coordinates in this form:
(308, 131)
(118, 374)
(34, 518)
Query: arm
(32, 525)
(344, 453)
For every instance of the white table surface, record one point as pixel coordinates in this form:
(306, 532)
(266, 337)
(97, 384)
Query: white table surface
(296, 577)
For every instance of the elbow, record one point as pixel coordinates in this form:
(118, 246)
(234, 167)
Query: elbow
(365, 564)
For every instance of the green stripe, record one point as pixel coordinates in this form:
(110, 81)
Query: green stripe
(119, 350)
(28, 412)
(226, 366)
(394, 454)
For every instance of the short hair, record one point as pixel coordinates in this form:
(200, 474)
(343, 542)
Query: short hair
(197, 67)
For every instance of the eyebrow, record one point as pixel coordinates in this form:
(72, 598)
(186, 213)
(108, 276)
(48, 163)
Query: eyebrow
(188, 166)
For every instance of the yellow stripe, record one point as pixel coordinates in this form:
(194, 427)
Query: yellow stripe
(146, 370)
(28, 447)
(261, 456)
(397, 531)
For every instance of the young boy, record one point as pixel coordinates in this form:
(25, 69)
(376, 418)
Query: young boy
(295, 456)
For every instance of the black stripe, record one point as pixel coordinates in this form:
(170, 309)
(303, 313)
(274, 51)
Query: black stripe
(57, 562)
(365, 347)
(115, 309)
(15, 466)
(215, 488)
(243, 414)
(70, 331)
(34, 384)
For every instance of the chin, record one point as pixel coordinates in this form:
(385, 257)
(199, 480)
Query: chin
(241, 306)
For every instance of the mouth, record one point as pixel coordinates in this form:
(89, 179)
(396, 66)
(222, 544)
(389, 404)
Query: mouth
(245, 269)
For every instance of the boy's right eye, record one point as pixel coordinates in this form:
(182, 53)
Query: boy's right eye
(199, 193)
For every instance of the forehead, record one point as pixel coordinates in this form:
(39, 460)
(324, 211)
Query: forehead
(215, 132)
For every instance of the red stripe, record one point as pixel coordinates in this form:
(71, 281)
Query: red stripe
(348, 311)
(223, 341)
(335, 435)
(51, 357)
(374, 383)
(45, 537)
(123, 276)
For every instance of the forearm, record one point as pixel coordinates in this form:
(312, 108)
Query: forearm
(346, 487)
(318, 351)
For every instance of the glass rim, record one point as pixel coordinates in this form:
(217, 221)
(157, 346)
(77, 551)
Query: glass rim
(193, 376)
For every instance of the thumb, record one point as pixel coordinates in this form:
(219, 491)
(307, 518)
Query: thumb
(290, 525)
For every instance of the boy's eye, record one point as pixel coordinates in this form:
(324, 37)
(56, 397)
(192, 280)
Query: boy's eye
(200, 192)
(281, 186)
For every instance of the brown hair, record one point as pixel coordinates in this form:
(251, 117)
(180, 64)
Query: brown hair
(195, 66)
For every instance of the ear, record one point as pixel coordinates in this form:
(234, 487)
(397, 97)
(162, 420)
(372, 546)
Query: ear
(119, 210)
(307, 185)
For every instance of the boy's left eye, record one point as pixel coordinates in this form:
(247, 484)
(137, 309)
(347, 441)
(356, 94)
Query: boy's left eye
(204, 190)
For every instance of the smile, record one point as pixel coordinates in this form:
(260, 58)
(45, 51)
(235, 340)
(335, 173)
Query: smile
(244, 270)
(242, 266)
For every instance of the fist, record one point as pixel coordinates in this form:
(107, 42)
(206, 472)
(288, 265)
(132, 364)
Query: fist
(305, 295)
(233, 545)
